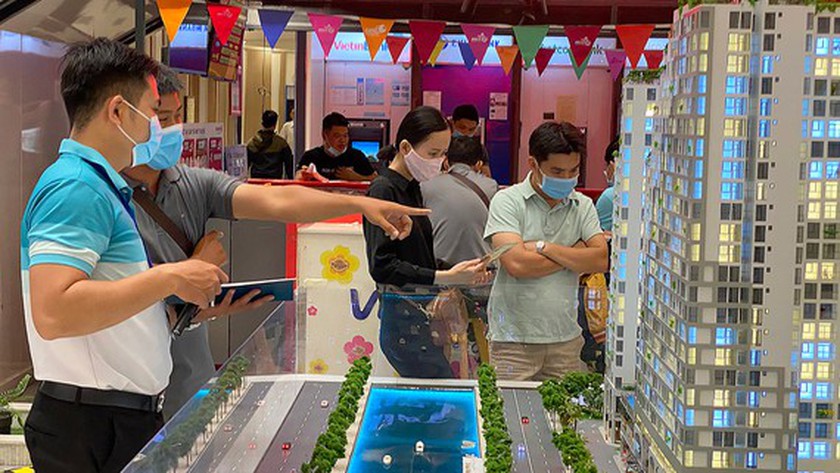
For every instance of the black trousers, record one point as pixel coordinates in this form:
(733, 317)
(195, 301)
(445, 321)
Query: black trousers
(66, 437)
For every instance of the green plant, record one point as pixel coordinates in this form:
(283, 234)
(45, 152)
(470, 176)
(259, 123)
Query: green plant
(644, 76)
(8, 397)
(499, 458)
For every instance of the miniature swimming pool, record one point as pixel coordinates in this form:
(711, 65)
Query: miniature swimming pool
(395, 419)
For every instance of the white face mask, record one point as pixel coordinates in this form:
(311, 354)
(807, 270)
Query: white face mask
(422, 169)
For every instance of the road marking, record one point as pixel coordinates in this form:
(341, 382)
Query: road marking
(522, 428)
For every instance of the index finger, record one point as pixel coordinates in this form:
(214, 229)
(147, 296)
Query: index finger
(223, 277)
(414, 210)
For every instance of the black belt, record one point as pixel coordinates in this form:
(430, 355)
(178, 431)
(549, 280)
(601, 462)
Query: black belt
(98, 397)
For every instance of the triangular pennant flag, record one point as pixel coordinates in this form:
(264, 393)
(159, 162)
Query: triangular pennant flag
(579, 69)
(223, 18)
(396, 44)
(273, 23)
(375, 32)
(543, 58)
(326, 28)
(653, 57)
(615, 60)
(436, 52)
(478, 38)
(426, 35)
(529, 39)
(467, 54)
(581, 40)
(507, 54)
(634, 38)
(173, 12)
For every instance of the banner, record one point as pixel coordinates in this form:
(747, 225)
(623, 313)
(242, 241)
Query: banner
(223, 18)
(436, 52)
(203, 145)
(543, 58)
(375, 32)
(478, 38)
(396, 44)
(581, 40)
(426, 35)
(653, 57)
(273, 23)
(579, 69)
(507, 54)
(325, 27)
(467, 54)
(633, 39)
(615, 61)
(529, 39)
(173, 12)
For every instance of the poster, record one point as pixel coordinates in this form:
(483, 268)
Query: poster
(566, 109)
(432, 98)
(374, 91)
(225, 59)
(203, 145)
(400, 94)
(236, 161)
(498, 106)
(343, 95)
(235, 100)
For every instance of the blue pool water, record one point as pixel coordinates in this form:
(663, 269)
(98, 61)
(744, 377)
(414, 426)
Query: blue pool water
(396, 418)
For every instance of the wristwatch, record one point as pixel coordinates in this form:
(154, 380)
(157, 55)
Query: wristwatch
(540, 246)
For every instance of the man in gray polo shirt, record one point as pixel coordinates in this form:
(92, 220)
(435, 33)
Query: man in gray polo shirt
(533, 304)
(190, 196)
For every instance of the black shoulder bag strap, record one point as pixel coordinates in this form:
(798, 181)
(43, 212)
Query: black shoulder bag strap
(472, 186)
(147, 202)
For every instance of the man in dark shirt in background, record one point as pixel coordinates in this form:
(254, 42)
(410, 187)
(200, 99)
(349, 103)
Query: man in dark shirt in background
(336, 159)
(269, 155)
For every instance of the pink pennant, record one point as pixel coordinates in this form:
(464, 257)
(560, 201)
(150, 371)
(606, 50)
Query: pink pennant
(542, 59)
(223, 18)
(396, 44)
(426, 35)
(326, 28)
(654, 58)
(615, 60)
(581, 40)
(478, 37)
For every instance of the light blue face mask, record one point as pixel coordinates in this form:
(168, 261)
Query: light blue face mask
(143, 153)
(171, 145)
(557, 188)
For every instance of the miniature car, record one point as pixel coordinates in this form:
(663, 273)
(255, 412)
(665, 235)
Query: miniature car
(252, 446)
(287, 445)
(526, 420)
(387, 460)
(261, 402)
(228, 428)
(521, 448)
(325, 403)
(419, 447)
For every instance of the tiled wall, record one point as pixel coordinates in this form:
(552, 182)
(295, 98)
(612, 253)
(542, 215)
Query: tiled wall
(32, 123)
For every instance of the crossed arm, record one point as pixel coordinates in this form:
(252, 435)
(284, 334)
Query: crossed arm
(523, 261)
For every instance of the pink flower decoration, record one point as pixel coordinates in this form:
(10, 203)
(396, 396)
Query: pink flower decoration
(357, 348)
(312, 311)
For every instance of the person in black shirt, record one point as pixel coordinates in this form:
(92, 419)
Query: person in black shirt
(405, 335)
(269, 155)
(336, 159)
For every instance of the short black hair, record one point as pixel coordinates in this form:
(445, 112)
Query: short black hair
(556, 138)
(465, 150)
(168, 81)
(611, 152)
(386, 154)
(269, 119)
(465, 112)
(96, 70)
(418, 124)
(334, 119)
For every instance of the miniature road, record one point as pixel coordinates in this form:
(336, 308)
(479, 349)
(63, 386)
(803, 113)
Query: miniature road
(540, 455)
(301, 428)
(602, 452)
(239, 442)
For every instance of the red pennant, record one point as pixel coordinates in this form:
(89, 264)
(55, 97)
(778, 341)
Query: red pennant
(478, 37)
(581, 40)
(426, 35)
(224, 18)
(396, 44)
(653, 58)
(542, 59)
(634, 38)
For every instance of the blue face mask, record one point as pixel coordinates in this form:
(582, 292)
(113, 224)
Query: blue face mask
(557, 188)
(144, 152)
(171, 145)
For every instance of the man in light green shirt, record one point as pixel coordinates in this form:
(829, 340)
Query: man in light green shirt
(533, 304)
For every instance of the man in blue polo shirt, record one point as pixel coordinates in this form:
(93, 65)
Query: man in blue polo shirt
(96, 326)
